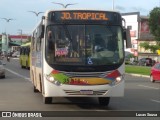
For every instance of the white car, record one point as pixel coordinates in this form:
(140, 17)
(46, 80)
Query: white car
(16, 54)
(2, 70)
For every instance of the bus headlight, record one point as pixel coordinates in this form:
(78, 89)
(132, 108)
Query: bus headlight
(118, 79)
(53, 80)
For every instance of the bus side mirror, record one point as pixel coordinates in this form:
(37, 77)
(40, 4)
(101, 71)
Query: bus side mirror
(127, 37)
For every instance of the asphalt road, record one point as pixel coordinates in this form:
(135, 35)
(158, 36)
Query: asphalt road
(16, 94)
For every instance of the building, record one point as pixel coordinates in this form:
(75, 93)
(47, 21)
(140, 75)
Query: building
(146, 36)
(132, 22)
(10, 43)
(139, 31)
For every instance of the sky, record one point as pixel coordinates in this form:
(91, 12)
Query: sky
(26, 21)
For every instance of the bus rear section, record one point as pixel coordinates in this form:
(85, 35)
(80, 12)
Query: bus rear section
(82, 55)
(25, 55)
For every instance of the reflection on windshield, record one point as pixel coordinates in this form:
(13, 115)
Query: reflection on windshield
(84, 45)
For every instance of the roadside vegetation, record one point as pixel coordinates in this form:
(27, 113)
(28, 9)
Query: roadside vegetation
(142, 70)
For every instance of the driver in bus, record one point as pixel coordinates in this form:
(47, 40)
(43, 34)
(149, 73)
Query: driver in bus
(99, 43)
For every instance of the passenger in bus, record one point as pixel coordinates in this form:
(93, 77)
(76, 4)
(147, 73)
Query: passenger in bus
(75, 48)
(50, 41)
(50, 48)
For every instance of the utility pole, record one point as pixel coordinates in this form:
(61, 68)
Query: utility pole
(20, 34)
(6, 45)
(112, 4)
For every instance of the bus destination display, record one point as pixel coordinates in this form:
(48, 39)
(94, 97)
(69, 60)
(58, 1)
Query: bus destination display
(81, 15)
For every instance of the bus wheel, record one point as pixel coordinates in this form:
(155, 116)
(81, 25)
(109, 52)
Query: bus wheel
(104, 101)
(151, 79)
(47, 100)
(35, 90)
(26, 65)
(21, 65)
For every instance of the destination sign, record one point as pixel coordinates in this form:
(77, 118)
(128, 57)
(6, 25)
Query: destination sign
(80, 15)
(83, 16)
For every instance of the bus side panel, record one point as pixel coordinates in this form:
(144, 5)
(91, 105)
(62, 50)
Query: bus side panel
(38, 70)
(32, 68)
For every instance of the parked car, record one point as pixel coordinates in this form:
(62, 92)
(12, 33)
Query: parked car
(2, 70)
(145, 62)
(155, 72)
(16, 54)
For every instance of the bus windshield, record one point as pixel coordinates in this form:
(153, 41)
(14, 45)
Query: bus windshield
(84, 45)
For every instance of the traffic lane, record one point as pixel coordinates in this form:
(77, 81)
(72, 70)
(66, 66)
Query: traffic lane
(17, 95)
(23, 89)
(14, 65)
(15, 92)
(22, 98)
(143, 94)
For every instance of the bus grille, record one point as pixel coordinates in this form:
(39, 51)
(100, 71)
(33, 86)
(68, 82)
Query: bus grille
(86, 74)
(73, 92)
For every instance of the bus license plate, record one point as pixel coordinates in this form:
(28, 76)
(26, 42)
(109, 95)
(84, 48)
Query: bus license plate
(86, 92)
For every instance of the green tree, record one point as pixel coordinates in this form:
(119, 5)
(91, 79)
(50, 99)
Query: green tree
(154, 26)
(152, 48)
(154, 23)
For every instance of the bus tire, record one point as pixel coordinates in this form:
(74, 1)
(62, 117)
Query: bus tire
(35, 90)
(47, 100)
(151, 79)
(104, 101)
(21, 64)
(40, 81)
(26, 65)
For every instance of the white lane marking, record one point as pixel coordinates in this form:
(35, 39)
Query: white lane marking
(18, 74)
(157, 101)
(149, 87)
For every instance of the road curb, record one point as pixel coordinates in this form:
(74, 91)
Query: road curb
(137, 75)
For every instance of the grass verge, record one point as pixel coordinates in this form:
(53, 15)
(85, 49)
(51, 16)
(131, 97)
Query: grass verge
(142, 70)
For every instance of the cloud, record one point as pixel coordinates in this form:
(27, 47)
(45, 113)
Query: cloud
(120, 8)
(139, 9)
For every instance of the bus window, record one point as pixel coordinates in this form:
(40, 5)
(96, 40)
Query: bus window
(98, 46)
(34, 37)
(50, 45)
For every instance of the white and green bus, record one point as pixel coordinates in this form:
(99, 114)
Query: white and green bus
(79, 53)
